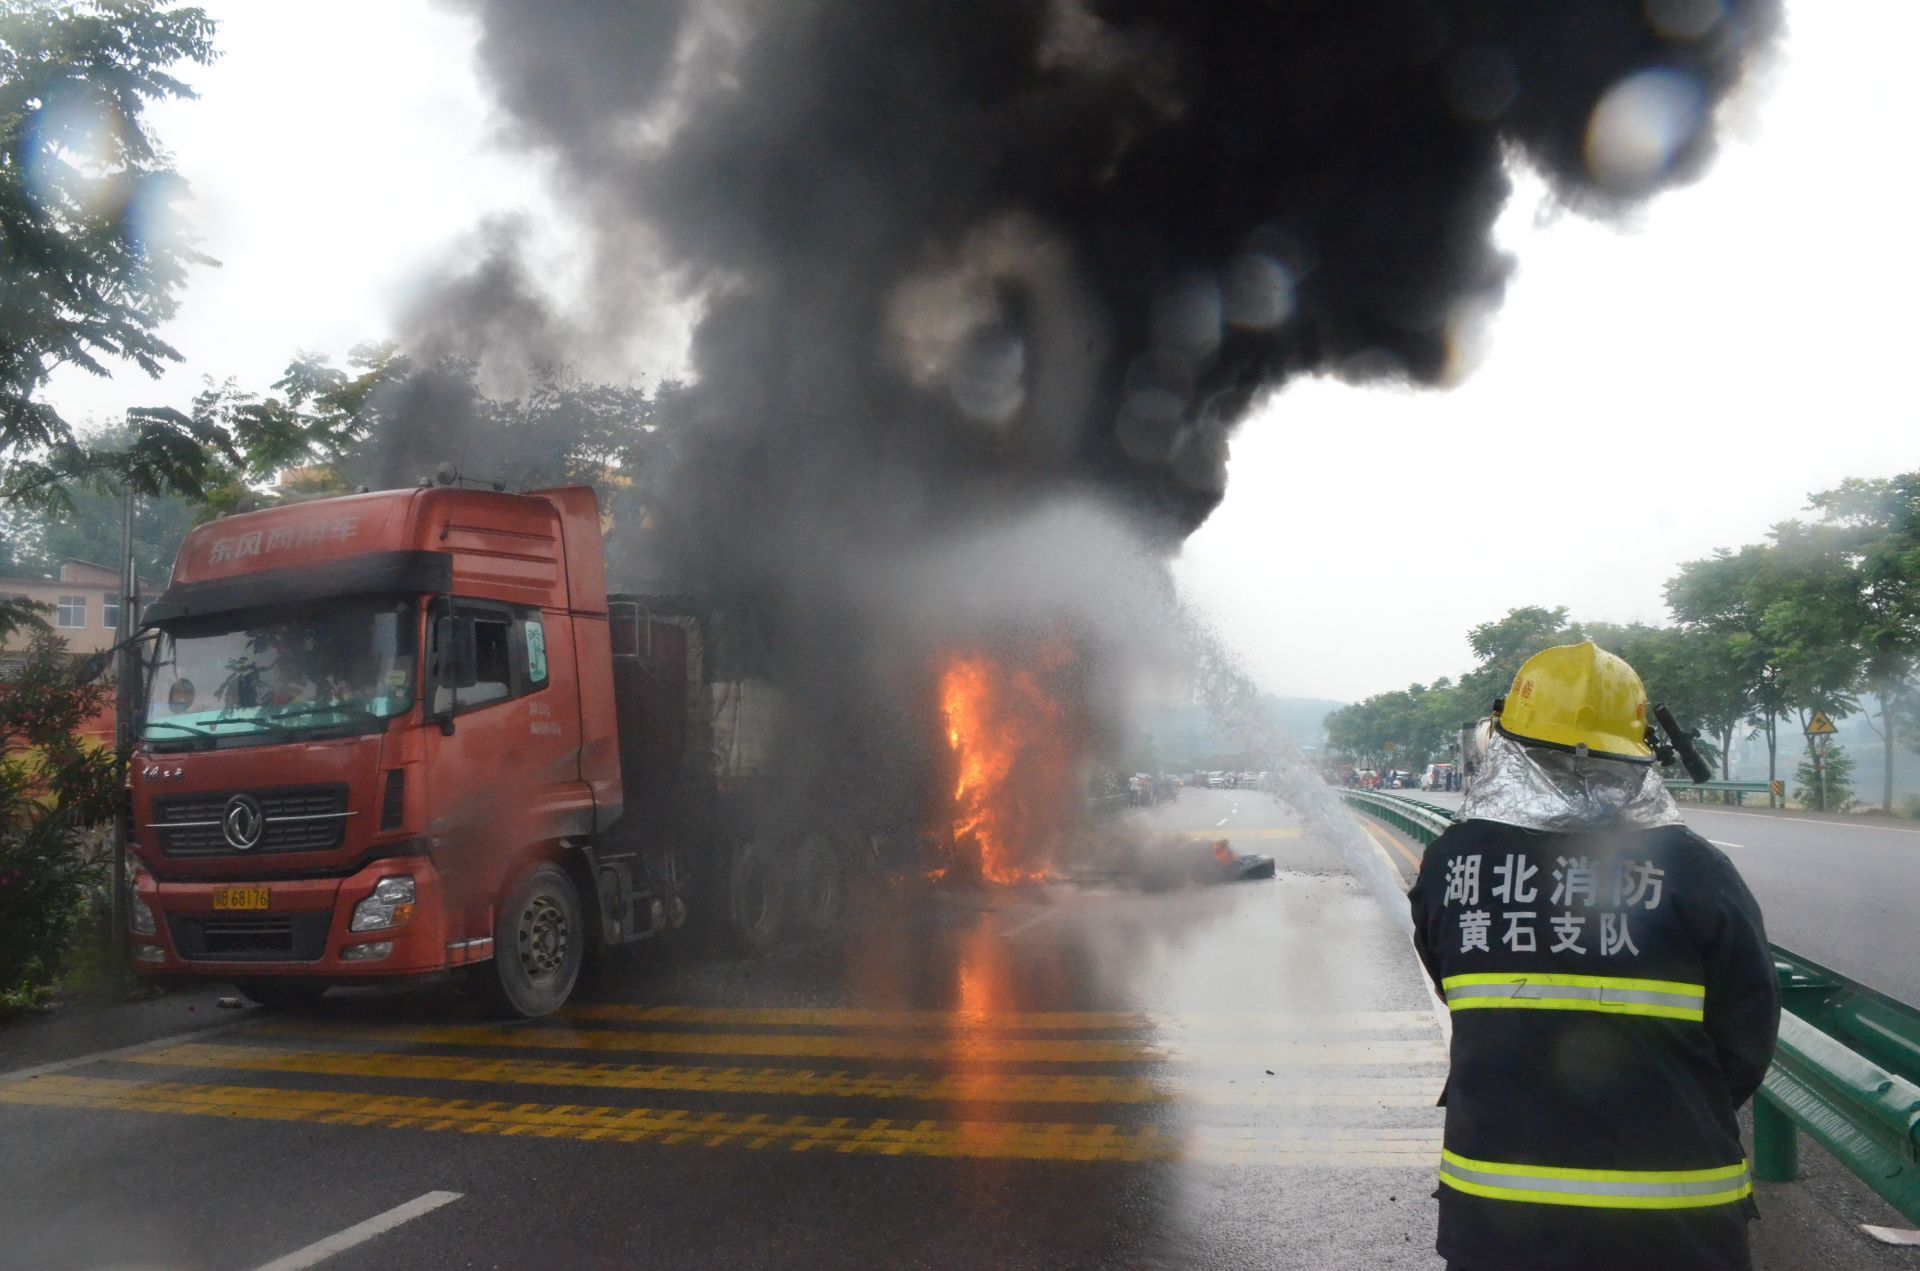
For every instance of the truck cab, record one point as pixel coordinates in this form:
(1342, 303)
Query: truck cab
(378, 740)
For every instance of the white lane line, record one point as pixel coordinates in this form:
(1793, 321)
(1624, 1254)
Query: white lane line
(361, 1232)
(1797, 822)
(47, 1070)
(1034, 921)
(1738, 847)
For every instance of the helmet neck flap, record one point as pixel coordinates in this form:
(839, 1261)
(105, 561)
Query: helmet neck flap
(1542, 788)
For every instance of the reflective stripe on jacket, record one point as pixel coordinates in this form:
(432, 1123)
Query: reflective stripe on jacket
(1544, 991)
(1597, 1188)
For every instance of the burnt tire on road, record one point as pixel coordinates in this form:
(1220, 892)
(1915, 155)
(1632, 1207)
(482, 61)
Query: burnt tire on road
(756, 898)
(819, 892)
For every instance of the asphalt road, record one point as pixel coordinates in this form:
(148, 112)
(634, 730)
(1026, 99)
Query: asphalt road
(1839, 890)
(1076, 1074)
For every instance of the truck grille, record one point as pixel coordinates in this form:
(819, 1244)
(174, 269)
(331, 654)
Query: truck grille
(297, 819)
(251, 937)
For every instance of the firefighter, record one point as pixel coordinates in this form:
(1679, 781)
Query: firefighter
(1612, 995)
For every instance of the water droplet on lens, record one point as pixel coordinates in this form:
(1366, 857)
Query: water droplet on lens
(1259, 292)
(1640, 126)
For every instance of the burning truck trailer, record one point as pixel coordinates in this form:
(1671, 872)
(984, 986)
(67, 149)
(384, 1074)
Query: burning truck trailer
(403, 733)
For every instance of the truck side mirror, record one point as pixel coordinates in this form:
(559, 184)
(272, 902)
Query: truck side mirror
(457, 655)
(457, 650)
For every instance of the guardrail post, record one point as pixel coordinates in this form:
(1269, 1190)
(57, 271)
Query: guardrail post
(1776, 1144)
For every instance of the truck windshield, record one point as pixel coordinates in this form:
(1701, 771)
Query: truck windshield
(262, 675)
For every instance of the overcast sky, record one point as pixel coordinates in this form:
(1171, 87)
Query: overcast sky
(1649, 392)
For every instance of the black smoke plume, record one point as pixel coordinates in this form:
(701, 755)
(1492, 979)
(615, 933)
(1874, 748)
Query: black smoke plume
(956, 261)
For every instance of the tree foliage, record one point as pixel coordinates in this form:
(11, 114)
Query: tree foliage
(1831, 791)
(90, 254)
(56, 789)
(34, 543)
(1879, 526)
(387, 419)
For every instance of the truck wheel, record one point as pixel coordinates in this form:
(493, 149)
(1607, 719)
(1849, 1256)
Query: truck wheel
(282, 995)
(754, 896)
(539, 939)
(820, 885)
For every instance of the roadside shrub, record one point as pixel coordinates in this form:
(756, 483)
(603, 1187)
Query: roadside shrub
(56, 793)
(1910, 809)
(1839, 783)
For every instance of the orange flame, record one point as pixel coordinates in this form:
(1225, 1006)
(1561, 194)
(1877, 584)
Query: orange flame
(1014, 764)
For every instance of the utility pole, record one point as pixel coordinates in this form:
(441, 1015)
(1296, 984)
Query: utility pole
(1820, 763)
(125, 670)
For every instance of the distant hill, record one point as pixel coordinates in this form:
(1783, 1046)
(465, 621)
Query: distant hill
(1304, 718)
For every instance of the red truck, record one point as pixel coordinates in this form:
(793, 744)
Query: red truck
(401, 733)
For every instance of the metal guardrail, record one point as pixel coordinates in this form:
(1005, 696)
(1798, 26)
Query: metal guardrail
(1846, 1069)
(1734, 792)
(1423, 822)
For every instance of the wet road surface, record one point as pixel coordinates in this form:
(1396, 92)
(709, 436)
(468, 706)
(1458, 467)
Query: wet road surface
(1073, 1074)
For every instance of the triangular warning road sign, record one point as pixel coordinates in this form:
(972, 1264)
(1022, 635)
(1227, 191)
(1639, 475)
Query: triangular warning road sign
(1821, 726)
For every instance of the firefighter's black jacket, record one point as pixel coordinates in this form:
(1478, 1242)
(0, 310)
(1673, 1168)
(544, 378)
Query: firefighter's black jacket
(1577, 1087)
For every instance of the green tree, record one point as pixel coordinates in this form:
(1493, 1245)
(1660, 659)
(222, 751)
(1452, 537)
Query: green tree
(90, 530)
(1811, 614)
(389, 419)
(90, 257)
(1723, 597)
(56, 789)
(1880, 525)
(1831, 791)
(1407, 729)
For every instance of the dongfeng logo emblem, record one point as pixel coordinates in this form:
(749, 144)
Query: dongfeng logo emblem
(243, 822)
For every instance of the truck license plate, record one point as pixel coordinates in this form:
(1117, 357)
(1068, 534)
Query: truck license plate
(240, 898)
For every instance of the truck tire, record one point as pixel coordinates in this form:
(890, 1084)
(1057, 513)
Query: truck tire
(819, 892)
(539, 941)
(283, 994)
(756, 901)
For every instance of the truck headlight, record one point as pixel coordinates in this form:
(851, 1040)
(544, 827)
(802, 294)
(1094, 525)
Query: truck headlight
(139, 912)
(391, 905)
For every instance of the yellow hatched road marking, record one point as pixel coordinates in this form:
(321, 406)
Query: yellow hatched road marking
(954, 1048)
(1394, 844)
(1391, 1148)
(955, 1088)
(1009, 1021)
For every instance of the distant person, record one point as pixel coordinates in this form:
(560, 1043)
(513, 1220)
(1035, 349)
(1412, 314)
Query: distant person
(1614, 1001)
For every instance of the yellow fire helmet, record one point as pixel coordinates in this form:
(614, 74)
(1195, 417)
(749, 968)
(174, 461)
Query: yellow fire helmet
(1575, 695)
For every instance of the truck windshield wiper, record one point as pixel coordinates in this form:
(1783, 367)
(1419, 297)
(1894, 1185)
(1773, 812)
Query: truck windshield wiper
(260, 720)
(344, 708)
(185, 728)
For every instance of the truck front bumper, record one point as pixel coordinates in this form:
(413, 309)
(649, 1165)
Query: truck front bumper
(303, 929)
